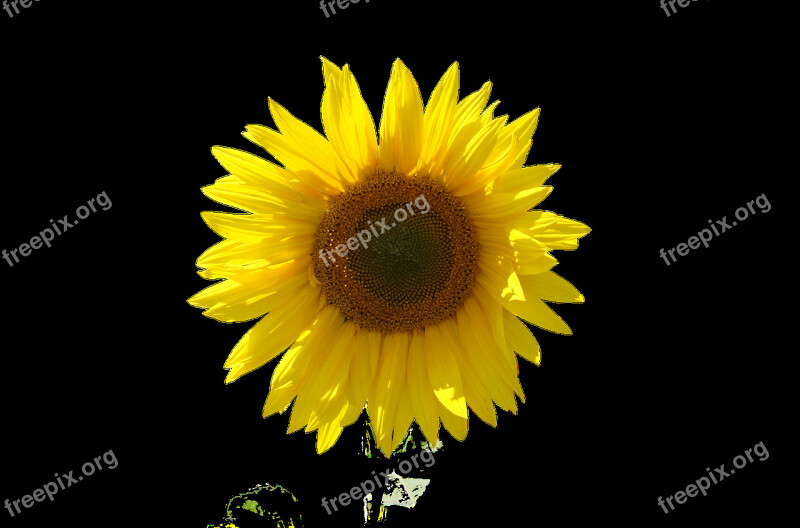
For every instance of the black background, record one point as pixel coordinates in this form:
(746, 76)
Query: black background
(661, 123)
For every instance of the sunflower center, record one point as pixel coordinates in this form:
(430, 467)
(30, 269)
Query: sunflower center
(395, 253)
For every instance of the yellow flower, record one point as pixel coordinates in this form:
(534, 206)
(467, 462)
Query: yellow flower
(394, 268)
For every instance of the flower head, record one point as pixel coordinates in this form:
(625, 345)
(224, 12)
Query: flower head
(390, 270)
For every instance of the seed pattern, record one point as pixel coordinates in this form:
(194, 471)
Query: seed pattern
(415, 273)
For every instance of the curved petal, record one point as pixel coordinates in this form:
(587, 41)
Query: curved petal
(423, 401)
(440, 115)
(272, 335)
(443, 373)
(347, 121)
(385, 395)
(401, 129)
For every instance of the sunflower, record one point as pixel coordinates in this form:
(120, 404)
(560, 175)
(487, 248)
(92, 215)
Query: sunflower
(420, 322)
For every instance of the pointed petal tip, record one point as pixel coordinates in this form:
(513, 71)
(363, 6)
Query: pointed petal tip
(232, 375)
(400, 65)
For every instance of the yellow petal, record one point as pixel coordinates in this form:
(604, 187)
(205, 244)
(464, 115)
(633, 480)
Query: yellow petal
(386, 391)
(255, 200)
(531, 256)
(243, 197)
(535, 265)
(555, 231)
(257, 172)
(308, 141)
(364, 365)
(271, 335)
(440, 114)
(470, 107)
(312, 385)
(537, 313)
(261, 274)
(551, 287)
(456, 150)
(499, 277)
(477, 395)
(520, 339)
(290, 373)
(347, 121)
(401, 125)
(232, 252)
(443, 373)
(279, 398)
(241, 227)
(328, 383)
(488, 173)
(499, 390)
(523, 127)
(495, 356)
(351, 414)
(254, 228)
(518, 180)
(403, 418)
(488, 114)
(229, 301)
(299, 160)
(490, 306)
(502, 207)
(457, 426)
(423, 401)
(464, 165)
(330, 431)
